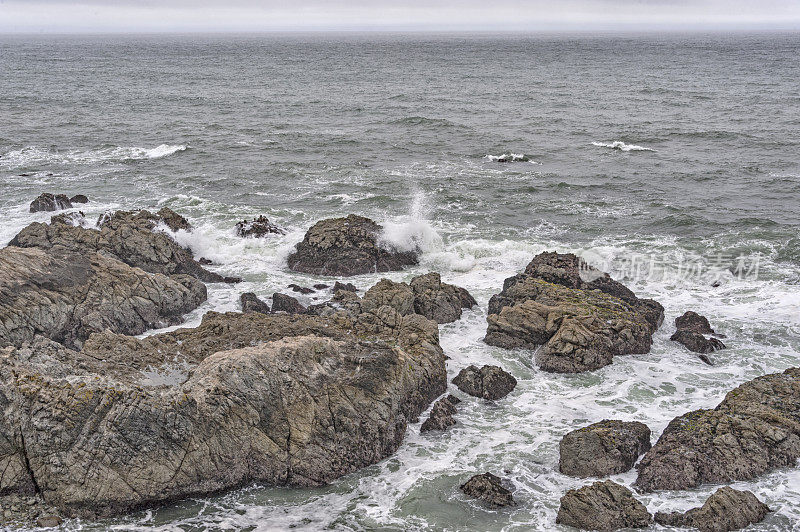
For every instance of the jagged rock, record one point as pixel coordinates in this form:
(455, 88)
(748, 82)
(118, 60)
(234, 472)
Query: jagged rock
(67, 296)
(285, 303)
(489, 489)
(22, 512)
(441, 416)
(258, 228)
(130, 236)
(323, 286)
(692, 321)
(79, 198)
(274, 399)
(50, 202)
(604, 448)
(300, 289)
(727, 509)
(755, 429)
(602, 506)
(488, 382)
(251, 303)
(350, 287)
(438, 301)
(691, 330)
(346, 246)
(204, 261)
(574, 324)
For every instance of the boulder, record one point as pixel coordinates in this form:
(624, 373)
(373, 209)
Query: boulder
(251, 303)
(755, 429)
(67, 296)
(285, 303)
(258, 228)
(602, 506)
(245, 398)
(727, 509)
(438, 301)
(347, 246)
(323, 286)
(130, 236)
(604, 448)
(79, 198)
(488, 382)
(575, 317)
(441, 416)
(350, 287)
(691, 328)
(489, 489)
(301, 289)
(50, 202)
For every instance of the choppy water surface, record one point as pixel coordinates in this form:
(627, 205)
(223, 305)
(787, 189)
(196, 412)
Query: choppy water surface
(677, 151)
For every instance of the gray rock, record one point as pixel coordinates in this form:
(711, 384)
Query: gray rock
(602, 506)
(439, 301)
(691, 328)
(604, 448)
(755, 429)
(251, 303)
(286, 303)
(441, 416)
(727, 509)
(346, 246)
(258, 228)
(301, 289)
(79, 198)
(50, 202)
(349, 287)
(489, 489)
(488, 382)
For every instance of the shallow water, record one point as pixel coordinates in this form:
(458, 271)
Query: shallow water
(677, 151)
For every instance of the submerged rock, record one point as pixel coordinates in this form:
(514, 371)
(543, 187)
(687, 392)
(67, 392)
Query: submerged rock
(50, 202)
(604, 448)
(488, 382)
(67, 296)
(275, 399)
(575, 317)
(346, 246)
(301, 289)
(286, 303)
(79, 198)
(441, 416)
(727, 509)
(251, 303)
(426, 295)
(602, 506)
(489, 489)
(691, 330)
(258, 228)
(755, 429)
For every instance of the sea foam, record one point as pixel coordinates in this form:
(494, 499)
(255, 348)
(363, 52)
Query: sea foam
(37, 155)
(621, 146)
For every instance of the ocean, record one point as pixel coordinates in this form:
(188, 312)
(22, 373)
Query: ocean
(671, 160)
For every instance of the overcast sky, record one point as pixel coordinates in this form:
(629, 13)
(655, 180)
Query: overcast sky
(59, 16)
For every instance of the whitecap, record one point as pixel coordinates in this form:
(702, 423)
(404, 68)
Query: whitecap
(36, 155)
(621, 146)
(509, 158)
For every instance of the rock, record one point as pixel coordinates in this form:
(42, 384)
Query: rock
(489, 489)
(130, 236)
(349, 287)
(284, 303)
(441, 416)
(301, 289)
(727, 509)
(258, 228)
(346, 246)
(438, 301)
(273, 399)
(323, 286)
(602, 506)
(691, 328)
(67, 296)
(573, 324)
(692, 321)
(204, 261)
(488, 382)
(48, 521)
(755, 429)
(50, 202)
(251, 303)
(79, 198)
(171, 219)
(601, 449)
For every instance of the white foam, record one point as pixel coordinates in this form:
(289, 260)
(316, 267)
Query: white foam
(412, 232)
(509, 158)
(621, 146)
(36, 155)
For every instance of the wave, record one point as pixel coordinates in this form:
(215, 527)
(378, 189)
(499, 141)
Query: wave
(424, 121)
(509, 158)
(621, 146)
(36, 155)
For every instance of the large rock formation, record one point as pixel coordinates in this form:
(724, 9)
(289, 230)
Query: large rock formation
(755, 429)
(289, 400)
(346, 246)
(604, 448)
(50, 202)
(691, 330)
(67, 296)
(579, 316)
(441, 416)
(727, 509)
(489, 489)
(130, 236)
(488, 382)
(602, 506)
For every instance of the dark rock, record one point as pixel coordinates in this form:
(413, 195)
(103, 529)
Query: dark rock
(171, 219)
(258, 228)
(603, 448)
(251, 303)
(691, 328)
(285, 303)
(438, 301)
(754, 430)
(489, 489)
(442, 413)
(692, 321)
(231, 280)
(301, 289)
(79, 198)
(727, 509)
(488, 382)
(204, 261)
(602, 506)
(322, 286)
(575, 317)
(346, 246)
(349, 287)
(50, 202)
(49, 521)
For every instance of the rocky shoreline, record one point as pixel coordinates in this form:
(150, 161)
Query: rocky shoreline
(97, 422)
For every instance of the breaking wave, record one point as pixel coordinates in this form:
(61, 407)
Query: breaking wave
(621, 146)
(36, 155)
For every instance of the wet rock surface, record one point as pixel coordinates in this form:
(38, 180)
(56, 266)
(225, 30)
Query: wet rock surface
(441, 416)
(251, 303)
(258, 228)
(489, 489)
(604, 448)
(346, 246)
(691, 331)
(755, 429)
(50, 202)
(286, 303)
(602, 506)
(79, 198)
(488, 382)
(349, 287)
(727, 509)
(580, 325)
